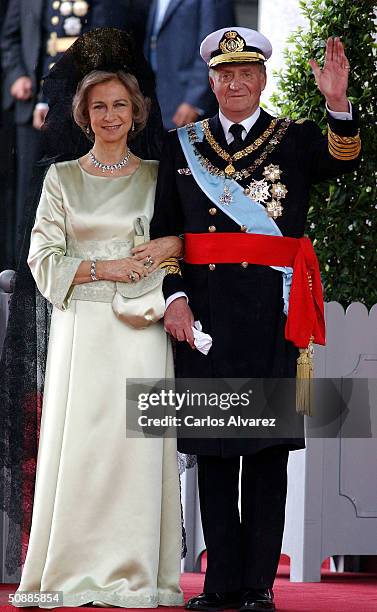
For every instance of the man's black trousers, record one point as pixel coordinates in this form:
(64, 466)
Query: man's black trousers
(243, 552)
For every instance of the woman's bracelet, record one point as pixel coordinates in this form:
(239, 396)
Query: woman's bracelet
(93, 270)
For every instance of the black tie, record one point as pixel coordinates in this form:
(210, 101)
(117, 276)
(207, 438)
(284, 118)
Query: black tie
(236, 130)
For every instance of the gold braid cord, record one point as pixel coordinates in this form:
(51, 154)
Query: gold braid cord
(344, 147)
(244, 152)
(171, 266)
(238, 175)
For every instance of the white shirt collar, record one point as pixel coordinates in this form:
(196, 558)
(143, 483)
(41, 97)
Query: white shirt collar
(247, 123)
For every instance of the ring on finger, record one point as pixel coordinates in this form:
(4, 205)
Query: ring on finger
(133, 276)
(148, 262)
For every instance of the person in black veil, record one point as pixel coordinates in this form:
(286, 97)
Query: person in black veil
(135, 563)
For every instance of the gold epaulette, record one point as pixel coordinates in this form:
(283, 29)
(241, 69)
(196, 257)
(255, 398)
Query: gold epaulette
(344, 147)
(171, 266)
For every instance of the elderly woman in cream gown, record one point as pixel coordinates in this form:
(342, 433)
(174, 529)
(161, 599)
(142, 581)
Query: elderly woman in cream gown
(106, 524)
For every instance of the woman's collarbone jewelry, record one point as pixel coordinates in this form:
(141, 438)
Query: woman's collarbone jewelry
(110, 167)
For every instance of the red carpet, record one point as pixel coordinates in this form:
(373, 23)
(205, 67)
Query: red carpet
(343, 592)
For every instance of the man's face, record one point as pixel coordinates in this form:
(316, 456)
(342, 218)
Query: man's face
(238, 88)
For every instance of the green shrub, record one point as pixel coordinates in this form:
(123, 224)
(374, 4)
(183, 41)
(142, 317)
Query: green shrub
(342, 218)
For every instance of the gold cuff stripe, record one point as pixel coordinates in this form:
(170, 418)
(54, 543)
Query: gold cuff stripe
(343, 147)
(348, 156)
(338, 147)
(171, 266)
(173, 260)
(338, 155)
(237, 56)
(344, 139)
(347, 151)
(172, 270)
(343, 154)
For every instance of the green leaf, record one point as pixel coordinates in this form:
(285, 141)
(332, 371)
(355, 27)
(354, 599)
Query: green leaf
(348, 257)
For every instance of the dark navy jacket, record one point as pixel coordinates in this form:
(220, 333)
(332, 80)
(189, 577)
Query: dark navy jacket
(240, 307)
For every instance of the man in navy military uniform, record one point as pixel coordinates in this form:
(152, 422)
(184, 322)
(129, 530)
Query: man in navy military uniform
(237, 186)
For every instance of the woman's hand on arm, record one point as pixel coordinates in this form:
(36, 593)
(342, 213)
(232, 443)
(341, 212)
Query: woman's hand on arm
(116, 270)
(158, 250)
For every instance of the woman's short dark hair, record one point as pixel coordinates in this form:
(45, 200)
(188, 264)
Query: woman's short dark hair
(140, 104)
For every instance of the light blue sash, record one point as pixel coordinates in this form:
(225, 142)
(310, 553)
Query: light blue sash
(242, 210)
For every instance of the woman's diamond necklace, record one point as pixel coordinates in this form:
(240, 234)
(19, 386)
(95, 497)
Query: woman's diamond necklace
(110, 167)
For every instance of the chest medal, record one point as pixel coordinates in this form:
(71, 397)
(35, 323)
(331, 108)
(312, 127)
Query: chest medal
(269, 187)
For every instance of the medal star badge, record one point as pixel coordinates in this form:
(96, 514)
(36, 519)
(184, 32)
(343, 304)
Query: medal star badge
(279, 191)
(274, 209)
(226, 197)
(80, 8)
(272, 173)
(66, 9)
(72, 26)
(258, 191)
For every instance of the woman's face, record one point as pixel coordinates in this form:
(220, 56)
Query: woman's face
(110, 111)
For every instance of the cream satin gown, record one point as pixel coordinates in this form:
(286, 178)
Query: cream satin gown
(106, 520)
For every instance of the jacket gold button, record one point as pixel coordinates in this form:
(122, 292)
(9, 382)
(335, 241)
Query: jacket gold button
(55, 20)
(243, 228)
(244, 264)
(55, 5)
(212, 267)
(211, 228)
(212, 211)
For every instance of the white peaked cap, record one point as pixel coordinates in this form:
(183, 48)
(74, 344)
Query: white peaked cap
(234, 44)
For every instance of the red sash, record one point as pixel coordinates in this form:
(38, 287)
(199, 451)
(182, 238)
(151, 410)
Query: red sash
(306, 312)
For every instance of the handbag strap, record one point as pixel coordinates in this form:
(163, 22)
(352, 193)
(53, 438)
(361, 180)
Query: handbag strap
(141, 229)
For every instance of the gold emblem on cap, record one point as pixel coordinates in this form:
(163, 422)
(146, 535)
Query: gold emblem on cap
(231, 42)
(233, 48)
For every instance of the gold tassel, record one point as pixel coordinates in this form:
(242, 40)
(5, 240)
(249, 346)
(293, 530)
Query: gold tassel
(304, 381)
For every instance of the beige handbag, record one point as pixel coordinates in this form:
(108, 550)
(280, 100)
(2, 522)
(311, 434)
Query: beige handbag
(142, 303)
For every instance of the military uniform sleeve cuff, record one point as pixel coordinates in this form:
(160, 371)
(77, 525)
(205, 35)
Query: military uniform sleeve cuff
(175, 296)
(343, 116)
(343, 127)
